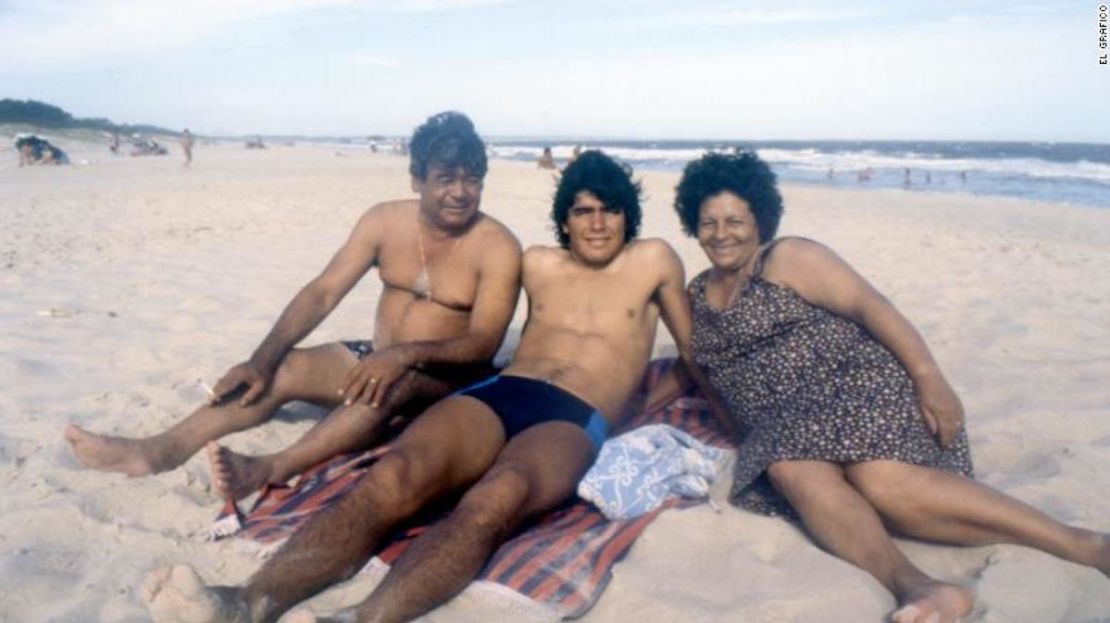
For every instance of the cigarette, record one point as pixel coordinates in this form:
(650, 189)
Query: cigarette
(211, 392)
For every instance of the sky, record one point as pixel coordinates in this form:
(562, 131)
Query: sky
(651, 69)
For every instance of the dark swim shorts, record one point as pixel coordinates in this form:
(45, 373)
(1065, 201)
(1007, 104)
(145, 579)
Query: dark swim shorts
(522, 403)
(359, 348)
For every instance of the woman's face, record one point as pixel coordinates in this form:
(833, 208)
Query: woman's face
(727, 231)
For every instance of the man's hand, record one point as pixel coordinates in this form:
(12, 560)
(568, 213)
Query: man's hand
(247, 373)
(941, 408)
(368, 383)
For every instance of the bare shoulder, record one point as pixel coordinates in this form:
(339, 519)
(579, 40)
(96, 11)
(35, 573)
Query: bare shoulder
(793, 258)
(653, 252)
(387, 214)
(494, 237)
(651, 246)
(539, 256)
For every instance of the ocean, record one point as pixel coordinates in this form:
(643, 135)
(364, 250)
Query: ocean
(1075, 173)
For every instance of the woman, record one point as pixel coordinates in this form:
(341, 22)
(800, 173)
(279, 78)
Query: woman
(844, 418)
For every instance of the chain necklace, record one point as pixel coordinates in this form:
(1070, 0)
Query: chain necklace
(423, 284)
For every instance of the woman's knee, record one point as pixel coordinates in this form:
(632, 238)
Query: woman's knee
(882, 483)
(794, 478)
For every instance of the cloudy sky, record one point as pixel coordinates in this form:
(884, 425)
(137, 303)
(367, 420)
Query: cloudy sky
(739, 69)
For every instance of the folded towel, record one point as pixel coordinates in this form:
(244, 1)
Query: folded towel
(637, 471)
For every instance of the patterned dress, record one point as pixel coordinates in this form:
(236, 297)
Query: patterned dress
(803, 383)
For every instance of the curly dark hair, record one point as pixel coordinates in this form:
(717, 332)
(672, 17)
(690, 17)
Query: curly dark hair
(742, 174)
(608, 180)
(448, 141)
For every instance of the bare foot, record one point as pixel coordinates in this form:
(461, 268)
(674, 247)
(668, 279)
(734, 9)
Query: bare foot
(934, 602)
(178, 595)
(111, 454)
(237, 475)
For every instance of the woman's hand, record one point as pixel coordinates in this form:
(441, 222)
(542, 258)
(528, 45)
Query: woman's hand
(941, 408)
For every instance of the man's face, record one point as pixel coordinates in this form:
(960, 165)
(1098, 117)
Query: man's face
(449, 198)
(596, 231)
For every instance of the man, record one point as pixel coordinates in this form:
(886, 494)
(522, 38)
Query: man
(514, 446)
(451, 278)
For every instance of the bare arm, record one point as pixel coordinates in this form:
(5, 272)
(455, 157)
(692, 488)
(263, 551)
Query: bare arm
(494, 303)
(822, 278)
(308, 309)
(674, 309)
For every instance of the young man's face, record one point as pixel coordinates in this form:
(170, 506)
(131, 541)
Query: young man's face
(596, 231)
(449, 198)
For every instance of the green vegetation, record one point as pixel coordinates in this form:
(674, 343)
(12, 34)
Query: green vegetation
(44, 115)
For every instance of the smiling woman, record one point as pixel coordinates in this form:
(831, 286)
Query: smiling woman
(845, 419)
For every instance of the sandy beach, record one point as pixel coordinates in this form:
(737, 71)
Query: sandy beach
(125, 282)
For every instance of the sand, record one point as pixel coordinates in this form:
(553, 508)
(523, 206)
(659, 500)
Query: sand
(125, 281)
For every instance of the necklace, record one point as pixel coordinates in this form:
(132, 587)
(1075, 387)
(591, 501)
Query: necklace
(423, 284)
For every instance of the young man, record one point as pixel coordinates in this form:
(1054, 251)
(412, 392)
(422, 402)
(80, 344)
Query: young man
(514, 445)
(451, 278)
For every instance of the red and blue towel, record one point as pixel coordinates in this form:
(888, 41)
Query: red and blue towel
(564, 560)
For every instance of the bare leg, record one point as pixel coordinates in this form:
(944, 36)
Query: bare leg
(939, 506)
(346, 429)
(445, 449)
(537, 470)
(845, 524)
(311, 374)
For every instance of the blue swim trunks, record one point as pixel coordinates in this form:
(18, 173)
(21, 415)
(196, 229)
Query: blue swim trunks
(522, 403)
(359, 348)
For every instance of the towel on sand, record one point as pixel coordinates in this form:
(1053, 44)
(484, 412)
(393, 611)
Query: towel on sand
(638, 471)
(563, 560)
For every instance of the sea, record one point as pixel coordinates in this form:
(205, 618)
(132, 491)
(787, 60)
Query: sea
(1074, 173)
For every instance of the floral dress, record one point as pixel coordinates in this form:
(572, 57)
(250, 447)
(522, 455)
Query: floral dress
(803, 383)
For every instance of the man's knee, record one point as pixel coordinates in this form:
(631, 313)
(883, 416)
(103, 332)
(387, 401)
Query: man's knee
(497, 502)
(393, 483)
(292, 372)
(302, 372)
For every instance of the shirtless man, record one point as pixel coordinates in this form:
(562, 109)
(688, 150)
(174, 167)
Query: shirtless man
(514, 446)
(451, 278)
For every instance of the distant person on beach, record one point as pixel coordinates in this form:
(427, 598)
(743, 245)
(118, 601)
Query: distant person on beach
(845, 419)
(187, 147)
(546, 161)
(36, 150)
(963, 177)
(450, 281)
(513, 446)
(906, 182)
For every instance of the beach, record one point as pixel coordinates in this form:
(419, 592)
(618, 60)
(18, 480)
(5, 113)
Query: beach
(126, 283)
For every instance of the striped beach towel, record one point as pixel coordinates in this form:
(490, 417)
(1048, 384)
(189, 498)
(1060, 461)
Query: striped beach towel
(563, 561)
